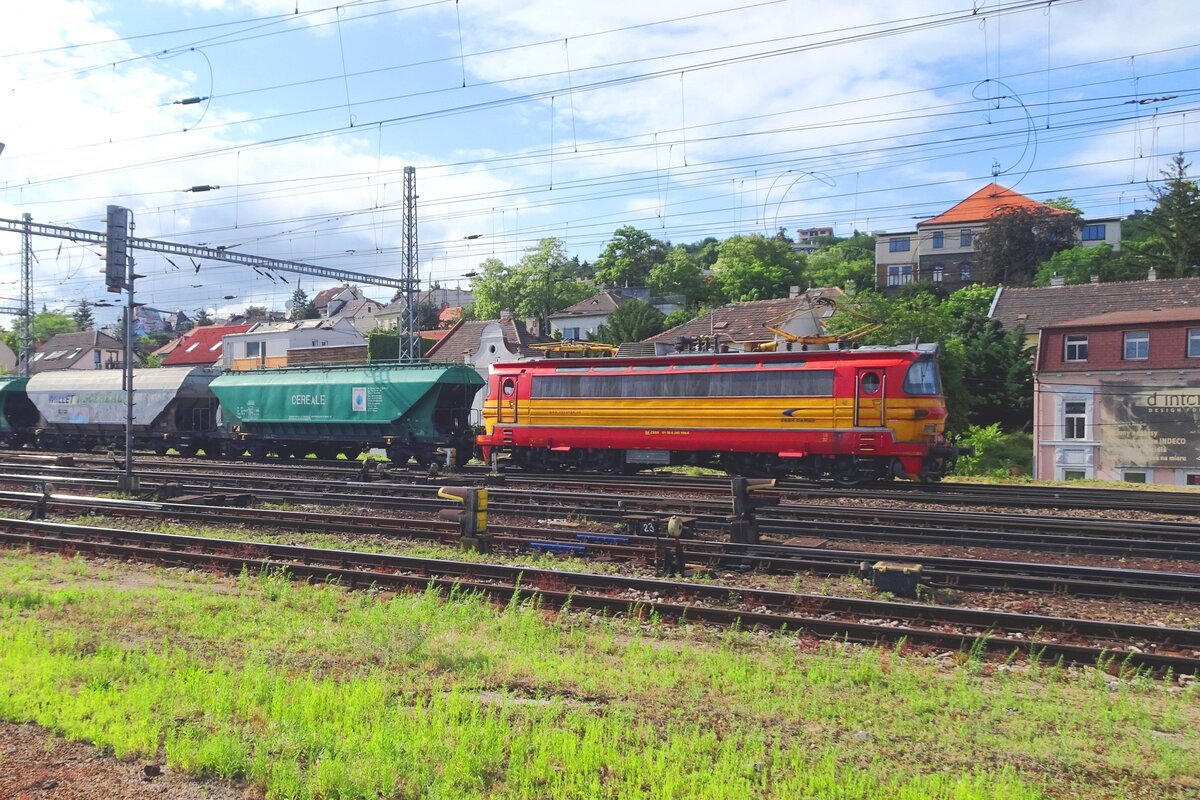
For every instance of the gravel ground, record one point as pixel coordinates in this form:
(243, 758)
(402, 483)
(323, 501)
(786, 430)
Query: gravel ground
(35, 764)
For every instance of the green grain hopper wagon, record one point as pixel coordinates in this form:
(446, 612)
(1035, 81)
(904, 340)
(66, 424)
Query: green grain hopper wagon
(17, 414)
(409, 410)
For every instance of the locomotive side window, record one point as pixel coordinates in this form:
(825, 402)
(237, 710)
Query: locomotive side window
(922, 378)
(763, 383)
(869, 383)
(509, 387)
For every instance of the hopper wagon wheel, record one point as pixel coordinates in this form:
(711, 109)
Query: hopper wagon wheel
(326, 452)
(398, 455)
(161, 448)
(352, 453)
(424, 456)
(186, 450)
(257, 450)
(286, 451)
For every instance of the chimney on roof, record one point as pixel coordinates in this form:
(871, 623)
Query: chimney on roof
(1058, 280)
(505, 315)
(793, 292)
(1152, 275)
(1095, 279)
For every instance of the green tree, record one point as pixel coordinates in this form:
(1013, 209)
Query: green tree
(756, 268)
(551, 281)
(1015, 242)
(848, 262)
(680, 273)
(203, 317)
(1064, 204)
(628, 258)
(84, 320)
(632, 321)
(497, 287)
(43, 326)
(302, 307)
(427, 315)
(1079, 264)
(255, 312)
(1174, 224)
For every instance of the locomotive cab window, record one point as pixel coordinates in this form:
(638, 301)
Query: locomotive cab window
(869, 383)
(922, 378)
(508, 387)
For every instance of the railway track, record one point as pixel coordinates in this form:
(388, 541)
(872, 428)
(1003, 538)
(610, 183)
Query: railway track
(945, 493)
(1039, 638)
(968, 574)
(894, 526)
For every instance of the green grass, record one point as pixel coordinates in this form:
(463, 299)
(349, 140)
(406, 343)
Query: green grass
(311, 691)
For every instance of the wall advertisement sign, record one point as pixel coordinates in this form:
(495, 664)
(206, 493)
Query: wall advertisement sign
(1152, 426)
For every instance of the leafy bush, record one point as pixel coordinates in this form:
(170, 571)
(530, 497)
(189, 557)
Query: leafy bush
(997, 454)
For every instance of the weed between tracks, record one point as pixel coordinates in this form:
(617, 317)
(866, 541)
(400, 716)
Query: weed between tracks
(311, 691)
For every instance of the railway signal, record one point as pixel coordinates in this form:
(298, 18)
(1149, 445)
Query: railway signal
(472, 519)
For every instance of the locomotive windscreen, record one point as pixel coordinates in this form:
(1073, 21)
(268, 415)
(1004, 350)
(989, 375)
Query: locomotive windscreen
(923, 378)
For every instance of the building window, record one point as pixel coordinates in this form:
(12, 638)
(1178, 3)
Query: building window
(1093, 233)
(1137, 345)
(939, 240)
(571, 334)
(1135, 476)
(964, 237)
(1075, 419)
(900, 275)
(254, 350)
(1074, 475)
(1192, 479)
(1076, 348)
(1193, 343)
(898, 245)
(938, 271)
(906, 273)
(965, 271)
(893, 276)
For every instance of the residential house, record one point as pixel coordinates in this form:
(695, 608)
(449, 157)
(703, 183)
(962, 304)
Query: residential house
(8, 359)
(482, 343)
(81, 350)
(580, 321)
(1117, 397)
(1037, 307)
(203, 345)
(329, 302)
(942, 249)
(392, 315)
(808, 239)
(742, 327)
(266, 344)
(361, 313)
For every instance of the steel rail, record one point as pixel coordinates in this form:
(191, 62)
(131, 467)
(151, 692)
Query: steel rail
(576, 590)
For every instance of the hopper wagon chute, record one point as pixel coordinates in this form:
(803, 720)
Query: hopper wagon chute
(409, 410)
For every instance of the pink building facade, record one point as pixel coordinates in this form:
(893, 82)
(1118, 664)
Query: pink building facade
(1117, 397)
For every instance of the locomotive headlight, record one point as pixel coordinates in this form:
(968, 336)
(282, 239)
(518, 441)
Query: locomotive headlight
(920, 413)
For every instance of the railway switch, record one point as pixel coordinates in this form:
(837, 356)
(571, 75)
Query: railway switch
(472, 519)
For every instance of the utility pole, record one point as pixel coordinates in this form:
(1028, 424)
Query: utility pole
(26, 294)
(118, 275)
(410, 344)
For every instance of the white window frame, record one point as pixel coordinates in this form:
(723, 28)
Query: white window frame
(1193, 343)
(966, 237)
(1068, 344)
(939, 273)
(1135, 338)
(1068, 418)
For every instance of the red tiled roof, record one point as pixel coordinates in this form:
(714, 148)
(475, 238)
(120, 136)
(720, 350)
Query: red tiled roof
(597, 304)
(1042, 306)
(202, 345)
(464, 339)
(985, 204)
(743, 322)
(1138, 316)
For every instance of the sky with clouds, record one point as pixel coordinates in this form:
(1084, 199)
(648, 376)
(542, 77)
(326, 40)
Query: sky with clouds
(567, 118)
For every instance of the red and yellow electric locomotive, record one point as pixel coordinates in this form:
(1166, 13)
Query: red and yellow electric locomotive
(851, 415)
